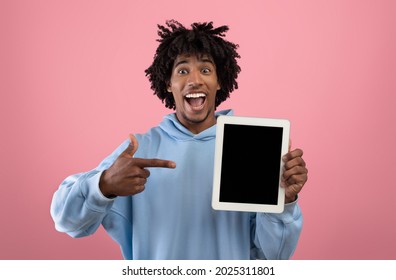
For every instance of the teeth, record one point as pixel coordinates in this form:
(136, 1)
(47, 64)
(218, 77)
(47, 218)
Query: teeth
(195, 95)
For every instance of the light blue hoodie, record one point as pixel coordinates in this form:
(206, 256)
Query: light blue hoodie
(173, 218)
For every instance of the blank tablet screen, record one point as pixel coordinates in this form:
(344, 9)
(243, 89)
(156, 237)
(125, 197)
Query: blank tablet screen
(250, 164)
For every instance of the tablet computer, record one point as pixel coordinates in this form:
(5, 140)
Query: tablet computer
(248, 164)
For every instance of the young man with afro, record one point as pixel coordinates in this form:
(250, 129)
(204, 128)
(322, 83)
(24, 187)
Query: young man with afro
(153, 193)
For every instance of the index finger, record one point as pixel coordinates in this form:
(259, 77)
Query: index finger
(154, 162)
(292, 154)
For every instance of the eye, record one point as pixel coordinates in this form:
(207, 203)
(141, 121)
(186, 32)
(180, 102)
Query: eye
(206, 70)
(182, 71)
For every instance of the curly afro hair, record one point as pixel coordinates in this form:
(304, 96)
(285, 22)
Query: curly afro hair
(202, 38)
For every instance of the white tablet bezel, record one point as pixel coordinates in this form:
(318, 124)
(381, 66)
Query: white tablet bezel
(247, 207)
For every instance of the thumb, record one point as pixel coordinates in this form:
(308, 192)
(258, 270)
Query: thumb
(290, 145)
(132, 147)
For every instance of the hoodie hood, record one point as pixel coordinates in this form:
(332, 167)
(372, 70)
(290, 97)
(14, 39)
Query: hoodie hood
(171, 125)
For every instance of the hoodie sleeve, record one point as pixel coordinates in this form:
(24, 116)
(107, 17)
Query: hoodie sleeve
(78, 207)
(275, 236)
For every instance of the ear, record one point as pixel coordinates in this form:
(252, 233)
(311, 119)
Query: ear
(169, 87)
(218, 85)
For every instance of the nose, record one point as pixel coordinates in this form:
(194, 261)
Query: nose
(194, 79)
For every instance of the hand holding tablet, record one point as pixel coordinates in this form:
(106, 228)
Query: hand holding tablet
(248, 164)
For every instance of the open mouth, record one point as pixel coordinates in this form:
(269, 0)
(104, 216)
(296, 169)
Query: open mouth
(196, 100)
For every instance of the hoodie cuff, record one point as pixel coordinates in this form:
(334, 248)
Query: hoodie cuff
(290, 213)
(95, 199)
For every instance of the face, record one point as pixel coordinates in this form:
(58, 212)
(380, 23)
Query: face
(194, 84)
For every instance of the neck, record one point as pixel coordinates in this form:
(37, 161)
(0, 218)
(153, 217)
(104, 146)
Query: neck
(197, 126)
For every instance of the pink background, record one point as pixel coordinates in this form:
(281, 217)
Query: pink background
(72, 87)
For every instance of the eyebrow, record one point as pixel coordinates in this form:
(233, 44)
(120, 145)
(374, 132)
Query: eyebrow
(203, 59)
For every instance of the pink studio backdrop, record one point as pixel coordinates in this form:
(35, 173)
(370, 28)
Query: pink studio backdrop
(73, 86)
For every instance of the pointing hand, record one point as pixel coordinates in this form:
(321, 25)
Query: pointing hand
(128, 175)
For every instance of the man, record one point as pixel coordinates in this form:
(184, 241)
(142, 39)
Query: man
(153, 193)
